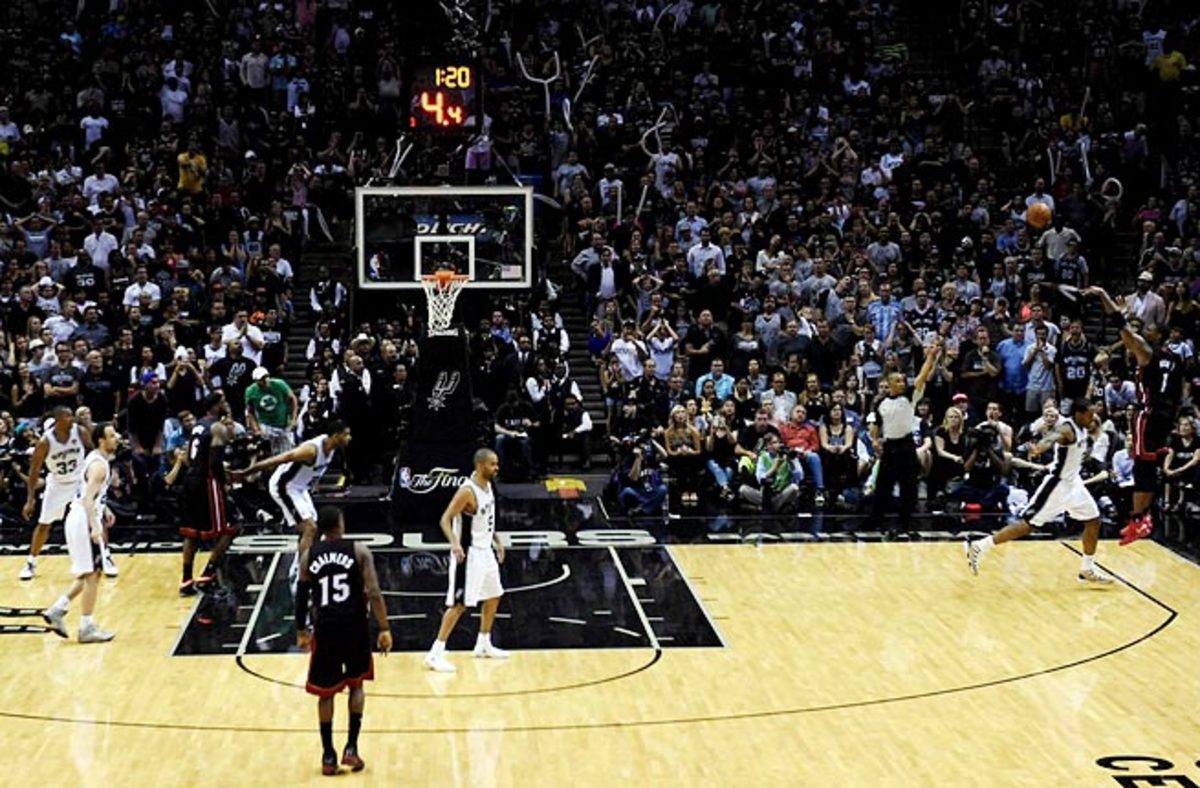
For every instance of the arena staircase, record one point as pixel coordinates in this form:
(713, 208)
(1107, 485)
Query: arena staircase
(336, 257)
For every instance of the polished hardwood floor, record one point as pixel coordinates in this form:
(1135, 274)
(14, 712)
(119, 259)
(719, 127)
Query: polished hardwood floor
(843, 664)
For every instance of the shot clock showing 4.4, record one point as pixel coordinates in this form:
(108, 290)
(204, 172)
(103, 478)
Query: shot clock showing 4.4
(443, 96)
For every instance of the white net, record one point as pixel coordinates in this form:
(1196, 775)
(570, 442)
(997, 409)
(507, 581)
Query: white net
(440, 296)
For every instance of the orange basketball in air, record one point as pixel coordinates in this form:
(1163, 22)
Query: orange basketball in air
(1037, 215)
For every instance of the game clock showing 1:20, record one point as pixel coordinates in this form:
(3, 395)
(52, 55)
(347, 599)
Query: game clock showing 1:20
(443, 96)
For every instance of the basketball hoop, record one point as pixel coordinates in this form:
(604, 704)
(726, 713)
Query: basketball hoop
(441, 292)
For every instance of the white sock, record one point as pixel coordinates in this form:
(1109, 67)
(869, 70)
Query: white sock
(985, 544)
(63, 603)
(439, 648)
(484, 640)
(86, 622)
(1087, 563)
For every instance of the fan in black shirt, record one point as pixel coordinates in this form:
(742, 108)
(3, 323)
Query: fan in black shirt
(232, 375)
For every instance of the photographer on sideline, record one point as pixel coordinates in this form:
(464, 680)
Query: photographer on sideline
(986, 466)
(640, 486)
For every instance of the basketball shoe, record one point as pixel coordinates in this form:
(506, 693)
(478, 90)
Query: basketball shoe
(1095, 577)
(29, 570)
(110, 567)
(439, 663)
(94, 634)
(488, 651)
(329, 764)
(350, 758)
(974, 553)
(1139, 527)
(55, 618)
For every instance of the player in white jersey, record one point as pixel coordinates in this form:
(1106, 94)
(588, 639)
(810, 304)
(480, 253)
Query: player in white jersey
(297, 472)
(87, 515)
(475, 556)
(1061, 492)
(61, 451)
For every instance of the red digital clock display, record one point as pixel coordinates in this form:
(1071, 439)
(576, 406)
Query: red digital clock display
(443, 96)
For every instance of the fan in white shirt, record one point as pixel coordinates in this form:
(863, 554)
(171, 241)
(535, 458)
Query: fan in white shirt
(100, 182)
(241, 330)
(142, 284)
(99, 245)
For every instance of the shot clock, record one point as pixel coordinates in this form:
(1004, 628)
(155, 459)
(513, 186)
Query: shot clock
(443, 96)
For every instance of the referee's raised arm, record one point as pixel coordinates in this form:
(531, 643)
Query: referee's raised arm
(932, 353)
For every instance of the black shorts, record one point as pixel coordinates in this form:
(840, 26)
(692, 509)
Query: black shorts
(204, 514)
(341, 657)
(1151, 434)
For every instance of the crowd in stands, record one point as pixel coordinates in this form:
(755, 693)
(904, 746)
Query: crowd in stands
(762, 207)
(765, 212)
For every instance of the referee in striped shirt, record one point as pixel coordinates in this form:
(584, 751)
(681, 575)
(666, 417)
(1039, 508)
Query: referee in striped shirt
(892, 436)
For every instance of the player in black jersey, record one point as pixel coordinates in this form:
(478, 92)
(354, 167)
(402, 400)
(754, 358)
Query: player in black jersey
(203, 514)
(1159, 392)
(340, 576)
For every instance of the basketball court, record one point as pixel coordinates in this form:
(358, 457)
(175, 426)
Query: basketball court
(660, 653)
(748, 663)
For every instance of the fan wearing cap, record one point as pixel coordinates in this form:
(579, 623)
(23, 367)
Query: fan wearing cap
(47, 296)
(1145, 304)
(272, 410)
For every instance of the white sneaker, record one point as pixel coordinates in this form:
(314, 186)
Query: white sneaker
(1095, 577)
(95, 634)
(819, 499)
(110, 567)
(56, 619)
(490, 652)
(973, 555)
(439, 663)
(29, 570)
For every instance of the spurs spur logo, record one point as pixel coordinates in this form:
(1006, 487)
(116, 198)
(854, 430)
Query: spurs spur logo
(446, 384)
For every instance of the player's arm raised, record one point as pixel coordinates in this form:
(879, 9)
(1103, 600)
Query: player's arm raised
(458, 505)
(305, 453)
(35, 476)
(374, 596)
(1135, 344)
(931, 356)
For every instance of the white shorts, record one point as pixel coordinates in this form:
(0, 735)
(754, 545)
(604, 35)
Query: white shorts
(297, 505)
(475, 580)
(84, 553)
(55, 498)
(1055, 497)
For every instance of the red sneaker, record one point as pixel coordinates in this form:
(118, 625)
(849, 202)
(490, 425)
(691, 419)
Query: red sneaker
(1138, 528)
(329, 764)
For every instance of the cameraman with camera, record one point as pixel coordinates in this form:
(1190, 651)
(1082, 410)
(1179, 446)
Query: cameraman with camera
(986, 466)
(640, 486)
